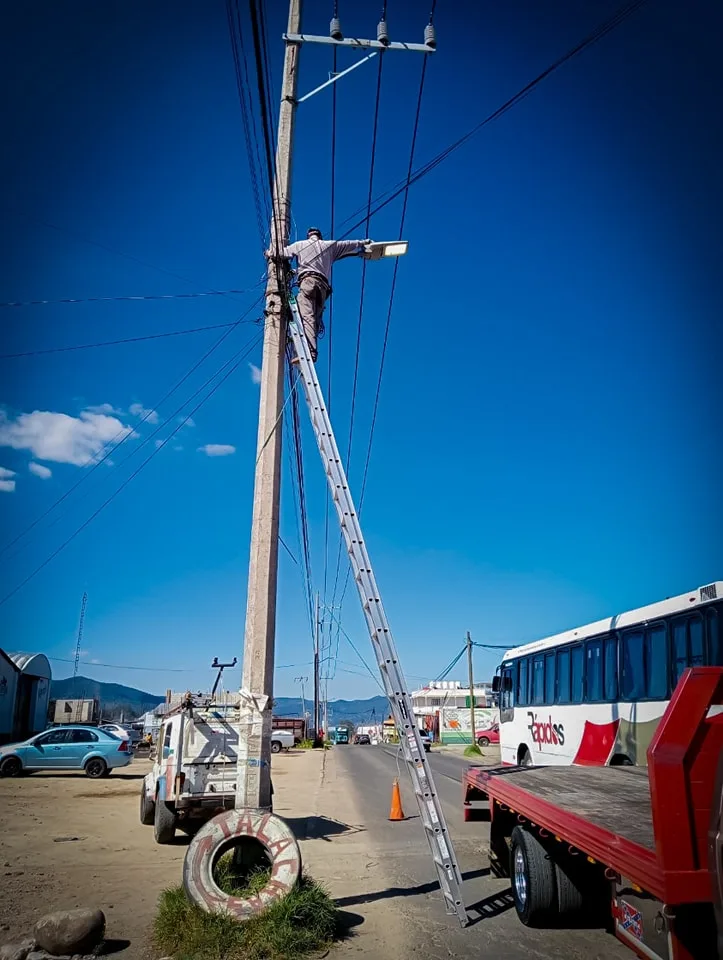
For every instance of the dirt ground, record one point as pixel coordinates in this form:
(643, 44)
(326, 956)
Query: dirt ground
(68, 841)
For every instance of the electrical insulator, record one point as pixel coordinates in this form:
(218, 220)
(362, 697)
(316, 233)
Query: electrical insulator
(430, 36)
(383, 32)
(335, 29)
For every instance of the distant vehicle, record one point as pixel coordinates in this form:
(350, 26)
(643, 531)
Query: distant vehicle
(362, 739)
(426, 740)
(125, 733)
(341, 736)
(489, 735)
(66, 748)
(282, 740)
(297, 726)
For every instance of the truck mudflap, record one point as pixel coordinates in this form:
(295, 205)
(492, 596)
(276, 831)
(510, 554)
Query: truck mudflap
(640, 920)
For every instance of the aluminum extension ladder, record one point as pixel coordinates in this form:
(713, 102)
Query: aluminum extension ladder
(430, 808)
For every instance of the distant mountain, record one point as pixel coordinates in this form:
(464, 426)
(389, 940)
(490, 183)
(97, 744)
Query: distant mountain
(115, 698)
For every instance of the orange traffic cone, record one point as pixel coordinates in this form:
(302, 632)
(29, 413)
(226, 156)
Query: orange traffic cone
(396, 813)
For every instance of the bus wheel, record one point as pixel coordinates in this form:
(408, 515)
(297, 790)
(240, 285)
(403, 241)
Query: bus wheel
(620, 760)
(523, 757)
(534, 889)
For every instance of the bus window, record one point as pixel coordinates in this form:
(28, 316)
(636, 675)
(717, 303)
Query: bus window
(563, 676)
(577, 656)
(696, 656)
(715, 640)
(633, 679)
(549, 678)
(593, 670)
(656, 663)
(611, 668)
(522, 683)
(680, 648)
(538, 680)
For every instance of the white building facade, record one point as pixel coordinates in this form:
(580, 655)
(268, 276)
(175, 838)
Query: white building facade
(443, 708)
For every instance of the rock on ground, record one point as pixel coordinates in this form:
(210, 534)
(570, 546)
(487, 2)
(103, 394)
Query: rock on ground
(69, 932)
(17, 951)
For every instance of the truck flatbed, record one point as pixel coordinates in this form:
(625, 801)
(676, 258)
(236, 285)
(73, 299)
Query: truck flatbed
(604, 811)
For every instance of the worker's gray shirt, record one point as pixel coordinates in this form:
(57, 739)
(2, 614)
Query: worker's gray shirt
(317, 256)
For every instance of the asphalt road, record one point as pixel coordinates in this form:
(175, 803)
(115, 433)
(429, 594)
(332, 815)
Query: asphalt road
(495, 932)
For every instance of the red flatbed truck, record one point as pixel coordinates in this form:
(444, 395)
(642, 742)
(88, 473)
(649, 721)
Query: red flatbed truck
(642, 848)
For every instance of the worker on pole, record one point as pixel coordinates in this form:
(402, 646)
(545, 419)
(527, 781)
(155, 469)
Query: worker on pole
(314, 258)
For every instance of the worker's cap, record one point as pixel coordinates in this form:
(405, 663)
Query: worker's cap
(314, 231)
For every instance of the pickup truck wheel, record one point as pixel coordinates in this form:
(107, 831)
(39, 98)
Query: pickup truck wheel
(275, 746)
(164, 822)
(534, 887)
(148, 808)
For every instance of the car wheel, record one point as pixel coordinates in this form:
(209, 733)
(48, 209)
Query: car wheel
(483, 742)
(148, 808)
(275, 746)
(534, 889)
(11, 767)
(96, 768)
(164, 822)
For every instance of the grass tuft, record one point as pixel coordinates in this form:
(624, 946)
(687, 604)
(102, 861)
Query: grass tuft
(472, 750)
(306, 744)
(304, 922)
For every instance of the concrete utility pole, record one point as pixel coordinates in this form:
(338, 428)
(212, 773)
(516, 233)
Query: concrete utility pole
(253, 781)
(302, 681)
(471, 688)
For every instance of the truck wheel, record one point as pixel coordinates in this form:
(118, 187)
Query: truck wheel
(275, 746)
(533, 880)
(164, 822)
(148, 808)
(570, 898)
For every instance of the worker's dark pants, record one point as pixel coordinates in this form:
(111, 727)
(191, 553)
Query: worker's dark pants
(312, 296)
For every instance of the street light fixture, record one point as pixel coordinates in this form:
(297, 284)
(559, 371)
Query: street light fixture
(385, 248)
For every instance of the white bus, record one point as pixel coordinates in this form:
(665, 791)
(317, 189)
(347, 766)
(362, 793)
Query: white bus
(595, 695)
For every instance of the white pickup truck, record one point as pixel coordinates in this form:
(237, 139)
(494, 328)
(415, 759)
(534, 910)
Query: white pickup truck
(194, 772)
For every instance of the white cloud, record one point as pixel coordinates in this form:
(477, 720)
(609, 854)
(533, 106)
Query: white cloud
(82, 653)
(106, 408)
(40, 471)
(7, 485)
(186, 423)
(95, 660)
(61, 438)
(159, 443)
(144, 413)
(255, 373)
(178, 448)
(217, 449)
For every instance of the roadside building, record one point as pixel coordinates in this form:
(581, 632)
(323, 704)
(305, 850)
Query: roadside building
(24, 695)
(444, 709)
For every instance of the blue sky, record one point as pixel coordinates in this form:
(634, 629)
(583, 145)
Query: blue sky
(547, 443)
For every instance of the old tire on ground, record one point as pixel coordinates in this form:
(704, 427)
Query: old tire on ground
(534, 887)
(95, 768)
(11, 767)
(164, 822)
(217, 837)
(275, 746)
(148, 807)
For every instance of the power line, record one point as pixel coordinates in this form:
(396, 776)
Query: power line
(123, 435)
(601, 31)
(78, 530)
(158, 296)
(115, 343)
(103, 246)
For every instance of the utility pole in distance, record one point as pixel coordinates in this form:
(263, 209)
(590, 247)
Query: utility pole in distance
(471, 688)
(253, 780)
(316, 669)
(302, 681)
